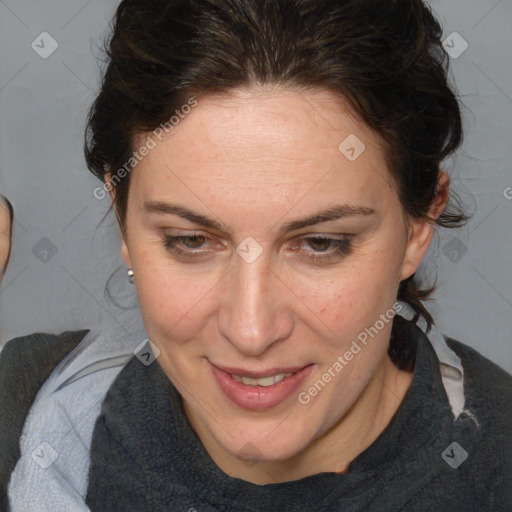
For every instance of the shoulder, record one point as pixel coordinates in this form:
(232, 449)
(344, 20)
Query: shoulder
(488, 392)
(25, 363)
(41, 345)
(488, 387)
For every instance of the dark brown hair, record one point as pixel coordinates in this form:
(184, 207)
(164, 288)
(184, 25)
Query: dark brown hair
(384, 56)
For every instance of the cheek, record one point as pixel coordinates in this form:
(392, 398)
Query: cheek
(354, 295)
(174, 299)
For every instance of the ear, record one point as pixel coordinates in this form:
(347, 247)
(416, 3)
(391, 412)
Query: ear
(108, 184)
(421, 231)
(125, 253)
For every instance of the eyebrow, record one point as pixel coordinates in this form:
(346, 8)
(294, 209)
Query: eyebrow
(333, 213)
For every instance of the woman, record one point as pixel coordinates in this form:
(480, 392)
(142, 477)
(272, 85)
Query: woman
(275, 169)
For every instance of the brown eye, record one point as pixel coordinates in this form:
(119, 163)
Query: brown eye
(325, 249)
(320, 244)
(184, 244)
(192, 242)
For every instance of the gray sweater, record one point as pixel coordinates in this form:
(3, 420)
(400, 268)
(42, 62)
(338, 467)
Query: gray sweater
(146, 457)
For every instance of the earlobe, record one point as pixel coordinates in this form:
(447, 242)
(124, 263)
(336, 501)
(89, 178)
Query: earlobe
(421, 231)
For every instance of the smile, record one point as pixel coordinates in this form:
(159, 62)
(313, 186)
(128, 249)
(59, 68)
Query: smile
(261, 390)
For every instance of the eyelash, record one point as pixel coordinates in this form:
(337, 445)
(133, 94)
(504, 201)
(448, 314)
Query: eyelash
(343, 247)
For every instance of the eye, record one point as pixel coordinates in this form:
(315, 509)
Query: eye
(325, 249)
(187, 246)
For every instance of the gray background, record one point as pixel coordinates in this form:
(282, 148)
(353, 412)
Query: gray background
(63, 252)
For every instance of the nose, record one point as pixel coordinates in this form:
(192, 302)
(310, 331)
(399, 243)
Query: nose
(254, 315)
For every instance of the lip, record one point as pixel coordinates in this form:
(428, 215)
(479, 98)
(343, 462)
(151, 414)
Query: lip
(259, 398)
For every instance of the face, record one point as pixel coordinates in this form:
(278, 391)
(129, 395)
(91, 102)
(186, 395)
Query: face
(261, 249)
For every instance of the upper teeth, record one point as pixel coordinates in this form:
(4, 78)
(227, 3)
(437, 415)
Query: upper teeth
(264, 381)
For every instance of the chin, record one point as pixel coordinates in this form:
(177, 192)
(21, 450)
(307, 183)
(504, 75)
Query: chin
(264, 445)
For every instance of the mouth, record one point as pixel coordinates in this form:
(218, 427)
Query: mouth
(259, 390)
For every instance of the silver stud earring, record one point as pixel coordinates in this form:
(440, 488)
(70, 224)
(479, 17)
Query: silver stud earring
(130, 275)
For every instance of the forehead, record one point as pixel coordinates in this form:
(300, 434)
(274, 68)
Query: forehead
(266, 137)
